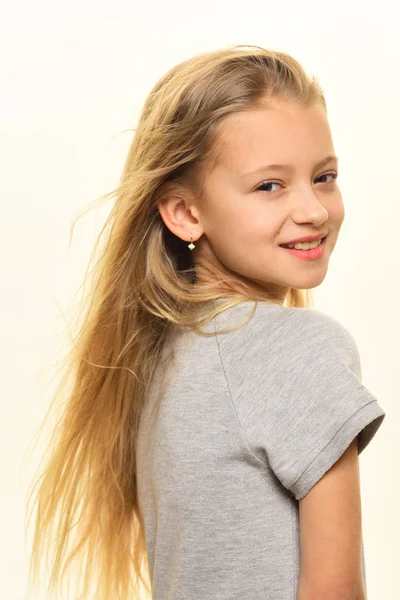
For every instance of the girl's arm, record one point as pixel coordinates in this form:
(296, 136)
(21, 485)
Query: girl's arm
(331, 534)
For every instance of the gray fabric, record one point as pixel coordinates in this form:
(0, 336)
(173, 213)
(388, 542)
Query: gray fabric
(250, 421)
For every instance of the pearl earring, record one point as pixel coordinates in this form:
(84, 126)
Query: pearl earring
(191, 245)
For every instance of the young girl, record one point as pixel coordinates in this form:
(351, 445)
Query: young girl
(208, 449)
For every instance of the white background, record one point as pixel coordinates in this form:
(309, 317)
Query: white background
(73, 79)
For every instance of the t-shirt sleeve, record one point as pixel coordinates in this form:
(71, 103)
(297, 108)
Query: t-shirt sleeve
(296, 386)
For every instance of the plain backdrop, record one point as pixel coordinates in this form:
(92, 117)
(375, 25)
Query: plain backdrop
(74, 77)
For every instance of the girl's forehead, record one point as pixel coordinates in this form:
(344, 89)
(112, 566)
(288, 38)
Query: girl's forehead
(273, 137)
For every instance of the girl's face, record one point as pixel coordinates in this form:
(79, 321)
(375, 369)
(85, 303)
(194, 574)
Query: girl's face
(250, 208)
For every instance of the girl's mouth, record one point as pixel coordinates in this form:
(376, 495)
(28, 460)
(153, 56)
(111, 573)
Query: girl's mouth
(311, 254)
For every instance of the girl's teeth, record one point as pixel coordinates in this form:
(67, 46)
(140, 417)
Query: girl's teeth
(305, 245)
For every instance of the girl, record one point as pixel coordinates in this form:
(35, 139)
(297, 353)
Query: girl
(209, 446)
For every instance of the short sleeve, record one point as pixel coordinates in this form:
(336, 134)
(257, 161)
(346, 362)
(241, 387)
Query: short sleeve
(296, 386)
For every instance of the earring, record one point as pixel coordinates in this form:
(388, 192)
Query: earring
(191, 245)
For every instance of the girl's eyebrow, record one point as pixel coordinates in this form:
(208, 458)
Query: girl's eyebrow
(283, 167)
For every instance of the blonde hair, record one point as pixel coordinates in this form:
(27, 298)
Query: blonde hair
(142, 285)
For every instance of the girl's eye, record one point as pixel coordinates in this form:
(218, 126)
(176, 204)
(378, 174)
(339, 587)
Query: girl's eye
(266, 183)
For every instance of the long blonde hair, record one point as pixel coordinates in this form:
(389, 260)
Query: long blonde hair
(142, 284)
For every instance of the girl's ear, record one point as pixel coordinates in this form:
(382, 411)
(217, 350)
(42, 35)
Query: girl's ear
(179, 211)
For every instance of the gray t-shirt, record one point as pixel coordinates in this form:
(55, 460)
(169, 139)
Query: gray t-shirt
(250, 421)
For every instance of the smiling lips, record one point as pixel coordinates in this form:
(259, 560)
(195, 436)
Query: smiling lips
(306, 238)
(310, 254)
